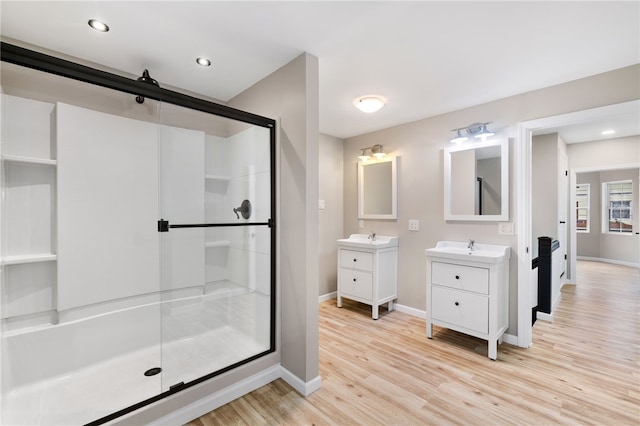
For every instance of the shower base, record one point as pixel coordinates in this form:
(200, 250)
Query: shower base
(220, 328)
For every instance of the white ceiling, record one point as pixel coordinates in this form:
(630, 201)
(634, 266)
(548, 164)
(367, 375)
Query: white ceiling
(427, 58)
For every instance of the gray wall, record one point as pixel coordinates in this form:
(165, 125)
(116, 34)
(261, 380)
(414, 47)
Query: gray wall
(330, 224)
(545, 170)
(544, 188)
(588, 244)
(291, 95)
(489, 169)
(421, 183)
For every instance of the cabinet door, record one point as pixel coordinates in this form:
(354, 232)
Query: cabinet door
(461, 277)
(356, 283)
(460, 308)
(356, 260)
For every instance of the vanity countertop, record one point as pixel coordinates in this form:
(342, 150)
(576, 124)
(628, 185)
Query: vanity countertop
(363, 241)
(486, 253)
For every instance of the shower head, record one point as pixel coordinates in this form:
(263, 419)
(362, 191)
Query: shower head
(145, 78)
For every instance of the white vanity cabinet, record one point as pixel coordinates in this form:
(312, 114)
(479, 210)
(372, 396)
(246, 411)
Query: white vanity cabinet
(468, 290)
(367, 270)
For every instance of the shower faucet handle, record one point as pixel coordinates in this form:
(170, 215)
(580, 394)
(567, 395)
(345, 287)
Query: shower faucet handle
(244, 209)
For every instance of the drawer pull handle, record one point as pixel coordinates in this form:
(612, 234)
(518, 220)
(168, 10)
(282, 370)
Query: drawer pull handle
(457, 277)
(457, 303)
(354, 280)
(355, 260)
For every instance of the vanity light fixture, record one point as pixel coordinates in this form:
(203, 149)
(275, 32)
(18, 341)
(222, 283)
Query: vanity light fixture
(483, 133)
(369, 103)
(459, 138)
(376, 150)
(203, 62)
(98, 25)
(476, 130)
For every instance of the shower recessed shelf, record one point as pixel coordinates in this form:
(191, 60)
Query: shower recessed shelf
(218, 243)
(217, 178)
(28, 258)
(29, 160)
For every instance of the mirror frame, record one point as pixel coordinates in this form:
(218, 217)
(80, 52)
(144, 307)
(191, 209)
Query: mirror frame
(504, 179)
(394, 189)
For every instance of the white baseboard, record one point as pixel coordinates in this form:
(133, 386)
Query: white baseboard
(411, 311)
(237, 390)
(615, 262)
(510, 339)
(542, 316)
(303, 388)
(328, 296)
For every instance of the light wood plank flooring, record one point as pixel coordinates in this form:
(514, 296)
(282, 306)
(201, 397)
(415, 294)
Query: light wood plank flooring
(584, 368)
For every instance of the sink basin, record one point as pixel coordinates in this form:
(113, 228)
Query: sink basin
(486, 253)
(363, 241)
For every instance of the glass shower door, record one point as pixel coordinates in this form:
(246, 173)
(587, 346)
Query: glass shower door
(216, 244)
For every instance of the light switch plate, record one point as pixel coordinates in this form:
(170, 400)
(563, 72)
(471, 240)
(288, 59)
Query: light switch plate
(505, 228)
(321, 204)
(361, 224)
(414, 225)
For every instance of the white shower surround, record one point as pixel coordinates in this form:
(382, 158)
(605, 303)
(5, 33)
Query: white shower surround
(46, 351)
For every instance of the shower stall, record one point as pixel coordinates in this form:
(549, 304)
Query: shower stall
(138, 241)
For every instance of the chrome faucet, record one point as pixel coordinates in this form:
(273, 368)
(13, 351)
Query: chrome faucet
(472, 245)
(372, 236)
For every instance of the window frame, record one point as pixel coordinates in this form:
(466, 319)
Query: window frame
(587, 229)
(606, 208)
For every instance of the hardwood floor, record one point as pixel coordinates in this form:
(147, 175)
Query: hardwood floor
(584, 368)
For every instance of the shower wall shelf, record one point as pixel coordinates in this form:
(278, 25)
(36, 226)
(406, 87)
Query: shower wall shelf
(29, 258)
(217, 178)
(219, 243)
(29, 160)
(29, 212)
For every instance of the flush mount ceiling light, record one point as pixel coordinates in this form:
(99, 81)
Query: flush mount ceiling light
(98, 25)
(376, 151)
(369, 103)
(203, 62)
(476, 130)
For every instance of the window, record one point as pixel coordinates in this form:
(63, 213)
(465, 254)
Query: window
(617, 208)
(582, 207)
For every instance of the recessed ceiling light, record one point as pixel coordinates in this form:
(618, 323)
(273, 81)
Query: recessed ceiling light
(608, 132)
(98, 25)
(369, 103)
(203, 62)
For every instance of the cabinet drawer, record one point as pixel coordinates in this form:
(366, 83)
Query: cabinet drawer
(462, 277)
(460, 308)
(356, 259)
(356, 283)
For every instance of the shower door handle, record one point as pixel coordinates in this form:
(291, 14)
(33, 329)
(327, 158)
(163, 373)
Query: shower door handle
(164, 226)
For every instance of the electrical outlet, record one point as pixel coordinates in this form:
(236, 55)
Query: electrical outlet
(321, 204)
(361, 224)
(414, 225)
(505, 228)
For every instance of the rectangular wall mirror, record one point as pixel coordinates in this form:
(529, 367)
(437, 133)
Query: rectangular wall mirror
(476, 181)
(377, 189)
